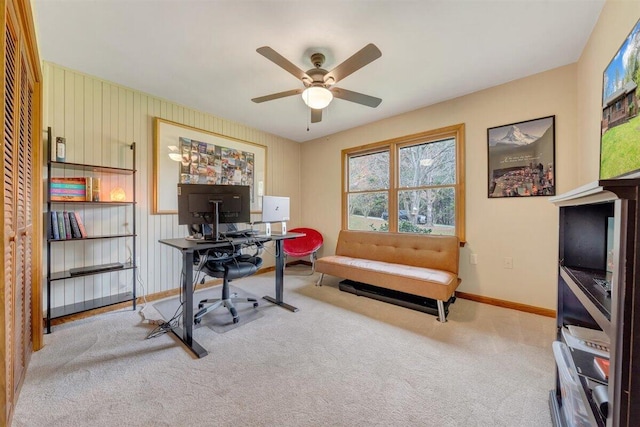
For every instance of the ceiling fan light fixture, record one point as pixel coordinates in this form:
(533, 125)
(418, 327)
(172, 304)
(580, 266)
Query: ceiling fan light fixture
(317, 97)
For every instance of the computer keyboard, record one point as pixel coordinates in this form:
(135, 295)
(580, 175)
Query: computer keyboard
(240, 233)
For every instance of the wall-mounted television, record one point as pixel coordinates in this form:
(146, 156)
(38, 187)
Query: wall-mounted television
(620, 126)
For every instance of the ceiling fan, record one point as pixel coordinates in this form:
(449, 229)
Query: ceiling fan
(318, 83)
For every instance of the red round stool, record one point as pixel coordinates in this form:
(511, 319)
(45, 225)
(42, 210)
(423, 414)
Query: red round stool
(303, 246)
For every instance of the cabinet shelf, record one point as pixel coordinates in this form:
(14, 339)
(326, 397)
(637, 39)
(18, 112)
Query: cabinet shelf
(63, 275)
(600, 420)
(91, 168)
(89, 202)
(585, 366)
(82, 306)
(592, 296)
(109, 236)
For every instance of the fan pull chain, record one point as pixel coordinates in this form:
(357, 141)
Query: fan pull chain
(309, 114)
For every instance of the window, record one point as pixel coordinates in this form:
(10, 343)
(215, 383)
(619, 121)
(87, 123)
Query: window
(413, 184)
(368, 195)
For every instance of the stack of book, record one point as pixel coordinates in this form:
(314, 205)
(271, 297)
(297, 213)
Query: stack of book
(65, 225)
(93, 189)
(68, 189)
(75, 189)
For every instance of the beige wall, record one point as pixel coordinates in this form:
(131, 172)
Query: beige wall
(98, 119)
(523, 229)
(96, 114)
(616, 21)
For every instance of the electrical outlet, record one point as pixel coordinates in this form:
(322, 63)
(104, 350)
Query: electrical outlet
(507, 262)
(473, 259)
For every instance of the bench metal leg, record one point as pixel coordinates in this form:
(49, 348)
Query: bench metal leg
(319, 282)
(441, 314)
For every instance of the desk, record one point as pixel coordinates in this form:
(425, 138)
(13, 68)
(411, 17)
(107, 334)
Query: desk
(188, 247)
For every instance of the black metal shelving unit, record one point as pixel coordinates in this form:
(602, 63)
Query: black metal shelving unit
(54, 277)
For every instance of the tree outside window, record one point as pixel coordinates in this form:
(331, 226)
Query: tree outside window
(368, 195)
(413, 184)
(427, 181)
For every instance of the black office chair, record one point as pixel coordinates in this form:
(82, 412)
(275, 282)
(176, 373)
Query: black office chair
(227, 263)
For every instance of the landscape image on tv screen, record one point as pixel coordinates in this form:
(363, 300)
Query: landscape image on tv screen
(620, 133)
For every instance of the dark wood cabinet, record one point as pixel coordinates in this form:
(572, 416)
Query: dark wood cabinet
(598, 240)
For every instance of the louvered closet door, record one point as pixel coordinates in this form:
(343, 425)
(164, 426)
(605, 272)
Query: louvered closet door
(20, 182)
(10, 226)
(24, 221)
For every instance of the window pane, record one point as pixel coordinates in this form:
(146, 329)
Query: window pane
(427, 211)
(423, 183)
(369, 172)
(433, 163)
(366, 211)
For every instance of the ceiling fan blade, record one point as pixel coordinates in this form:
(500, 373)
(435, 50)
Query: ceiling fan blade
(281, 61)
(360, 98)
(316, 115)
(364, 56)
(277, 95)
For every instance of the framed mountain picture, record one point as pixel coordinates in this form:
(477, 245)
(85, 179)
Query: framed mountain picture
(522, 159)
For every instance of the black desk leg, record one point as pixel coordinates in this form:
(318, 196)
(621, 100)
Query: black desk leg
(278, 300)
(185, 334)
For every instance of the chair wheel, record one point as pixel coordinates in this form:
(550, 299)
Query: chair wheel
(236, 320)
(200, 306)
(255, 305)
(197, 321)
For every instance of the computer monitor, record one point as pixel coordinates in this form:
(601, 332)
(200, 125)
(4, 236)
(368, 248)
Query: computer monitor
(275, 209)
(213, 205)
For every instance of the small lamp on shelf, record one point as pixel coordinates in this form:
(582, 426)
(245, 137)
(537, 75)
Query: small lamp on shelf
(117, 194)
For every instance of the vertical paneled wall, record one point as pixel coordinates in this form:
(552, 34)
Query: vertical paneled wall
(99, 120)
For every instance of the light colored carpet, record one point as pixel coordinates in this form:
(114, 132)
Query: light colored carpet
(341, 360)
(219, 320)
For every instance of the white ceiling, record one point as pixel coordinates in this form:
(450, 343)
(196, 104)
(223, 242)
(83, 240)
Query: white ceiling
(202, 54)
